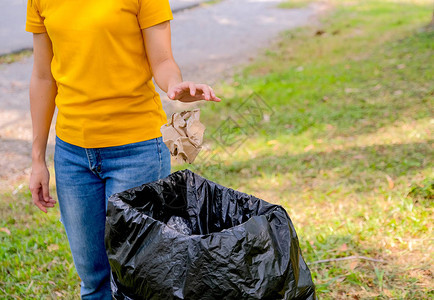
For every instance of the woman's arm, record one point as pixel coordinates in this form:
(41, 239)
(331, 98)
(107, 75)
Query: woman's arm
(165, 70)
(43, 90)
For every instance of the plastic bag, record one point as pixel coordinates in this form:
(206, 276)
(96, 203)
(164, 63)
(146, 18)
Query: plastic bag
(185, 237)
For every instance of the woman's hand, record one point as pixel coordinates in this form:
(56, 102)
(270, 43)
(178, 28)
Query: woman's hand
(165, 70)
(188, 91)
(39, 187)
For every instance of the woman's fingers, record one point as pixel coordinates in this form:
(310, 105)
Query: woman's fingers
(216, 99)
(176, 92)
(207, 93)
(213, 97)
(173, 94)
(212, 92)
(36, 197)
(44, 202)
(46, 193)
(192, 88)
(189, 92)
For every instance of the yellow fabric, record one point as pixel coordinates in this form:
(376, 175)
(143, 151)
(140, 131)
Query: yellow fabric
(106, 96)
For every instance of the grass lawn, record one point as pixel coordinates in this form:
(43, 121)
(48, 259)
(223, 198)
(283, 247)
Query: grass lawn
(14, 57)
(295, 4)
(342, 138)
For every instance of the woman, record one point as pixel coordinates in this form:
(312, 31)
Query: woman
(95, 60)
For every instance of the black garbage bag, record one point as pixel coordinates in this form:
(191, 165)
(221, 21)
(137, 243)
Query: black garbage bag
(185, 237)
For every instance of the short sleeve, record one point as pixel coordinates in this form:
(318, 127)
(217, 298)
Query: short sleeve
(153, 12)
(34, 21)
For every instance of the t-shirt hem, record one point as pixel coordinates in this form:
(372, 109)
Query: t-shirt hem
(104, 143)
(149, 22)
(35, 29)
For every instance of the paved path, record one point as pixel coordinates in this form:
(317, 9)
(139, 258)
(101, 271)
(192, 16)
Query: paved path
(13, 36)
(178, 5)
(208, 42)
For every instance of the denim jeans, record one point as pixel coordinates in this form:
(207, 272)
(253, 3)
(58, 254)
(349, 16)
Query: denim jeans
(85, 179)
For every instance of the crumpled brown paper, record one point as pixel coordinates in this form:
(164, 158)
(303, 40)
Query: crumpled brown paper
(183, 135)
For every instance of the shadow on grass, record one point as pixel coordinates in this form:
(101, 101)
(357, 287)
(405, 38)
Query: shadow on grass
(356, 166)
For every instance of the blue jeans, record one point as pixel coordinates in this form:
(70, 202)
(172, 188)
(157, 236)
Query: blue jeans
(85, 179)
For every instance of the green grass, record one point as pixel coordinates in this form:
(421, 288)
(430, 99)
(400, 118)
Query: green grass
(15, 57)
(211, 2)
(35, 261)
(344, 143)
(294, 4)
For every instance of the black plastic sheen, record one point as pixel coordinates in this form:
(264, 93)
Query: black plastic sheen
(185, 237)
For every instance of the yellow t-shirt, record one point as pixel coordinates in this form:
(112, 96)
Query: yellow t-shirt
(105, 92)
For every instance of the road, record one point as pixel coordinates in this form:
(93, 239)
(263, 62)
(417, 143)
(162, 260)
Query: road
(209, 43)
(14, 38)
(12, 23)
